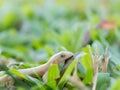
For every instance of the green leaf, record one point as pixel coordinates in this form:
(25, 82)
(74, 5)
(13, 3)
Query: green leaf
(17, 73)
(94, 34)
(103, 81)
(97, 44)
(63, 80)
(116, 85)
(87, 64)
(35, 81)
(52, 84)
(118, 67)
(53, 73)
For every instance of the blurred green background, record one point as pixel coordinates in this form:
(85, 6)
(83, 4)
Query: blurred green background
(33, 30)
(36, 29)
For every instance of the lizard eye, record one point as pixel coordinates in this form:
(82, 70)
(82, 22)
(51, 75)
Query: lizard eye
(62, 55)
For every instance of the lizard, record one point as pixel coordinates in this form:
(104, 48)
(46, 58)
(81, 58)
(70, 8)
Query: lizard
(42, 69)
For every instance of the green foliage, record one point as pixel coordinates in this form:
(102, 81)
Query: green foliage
(17, 73)
(9, 20)
(116, 85)
(32, 31)
(87, 64)
(103, 81)
(67, 73)
(53, 73)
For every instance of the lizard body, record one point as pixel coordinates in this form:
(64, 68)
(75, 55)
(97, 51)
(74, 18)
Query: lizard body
(55, 59)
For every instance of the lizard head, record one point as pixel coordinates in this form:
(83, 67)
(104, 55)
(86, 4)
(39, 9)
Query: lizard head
(61, 57)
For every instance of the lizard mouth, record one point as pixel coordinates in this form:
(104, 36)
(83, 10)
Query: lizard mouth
(69, 58)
